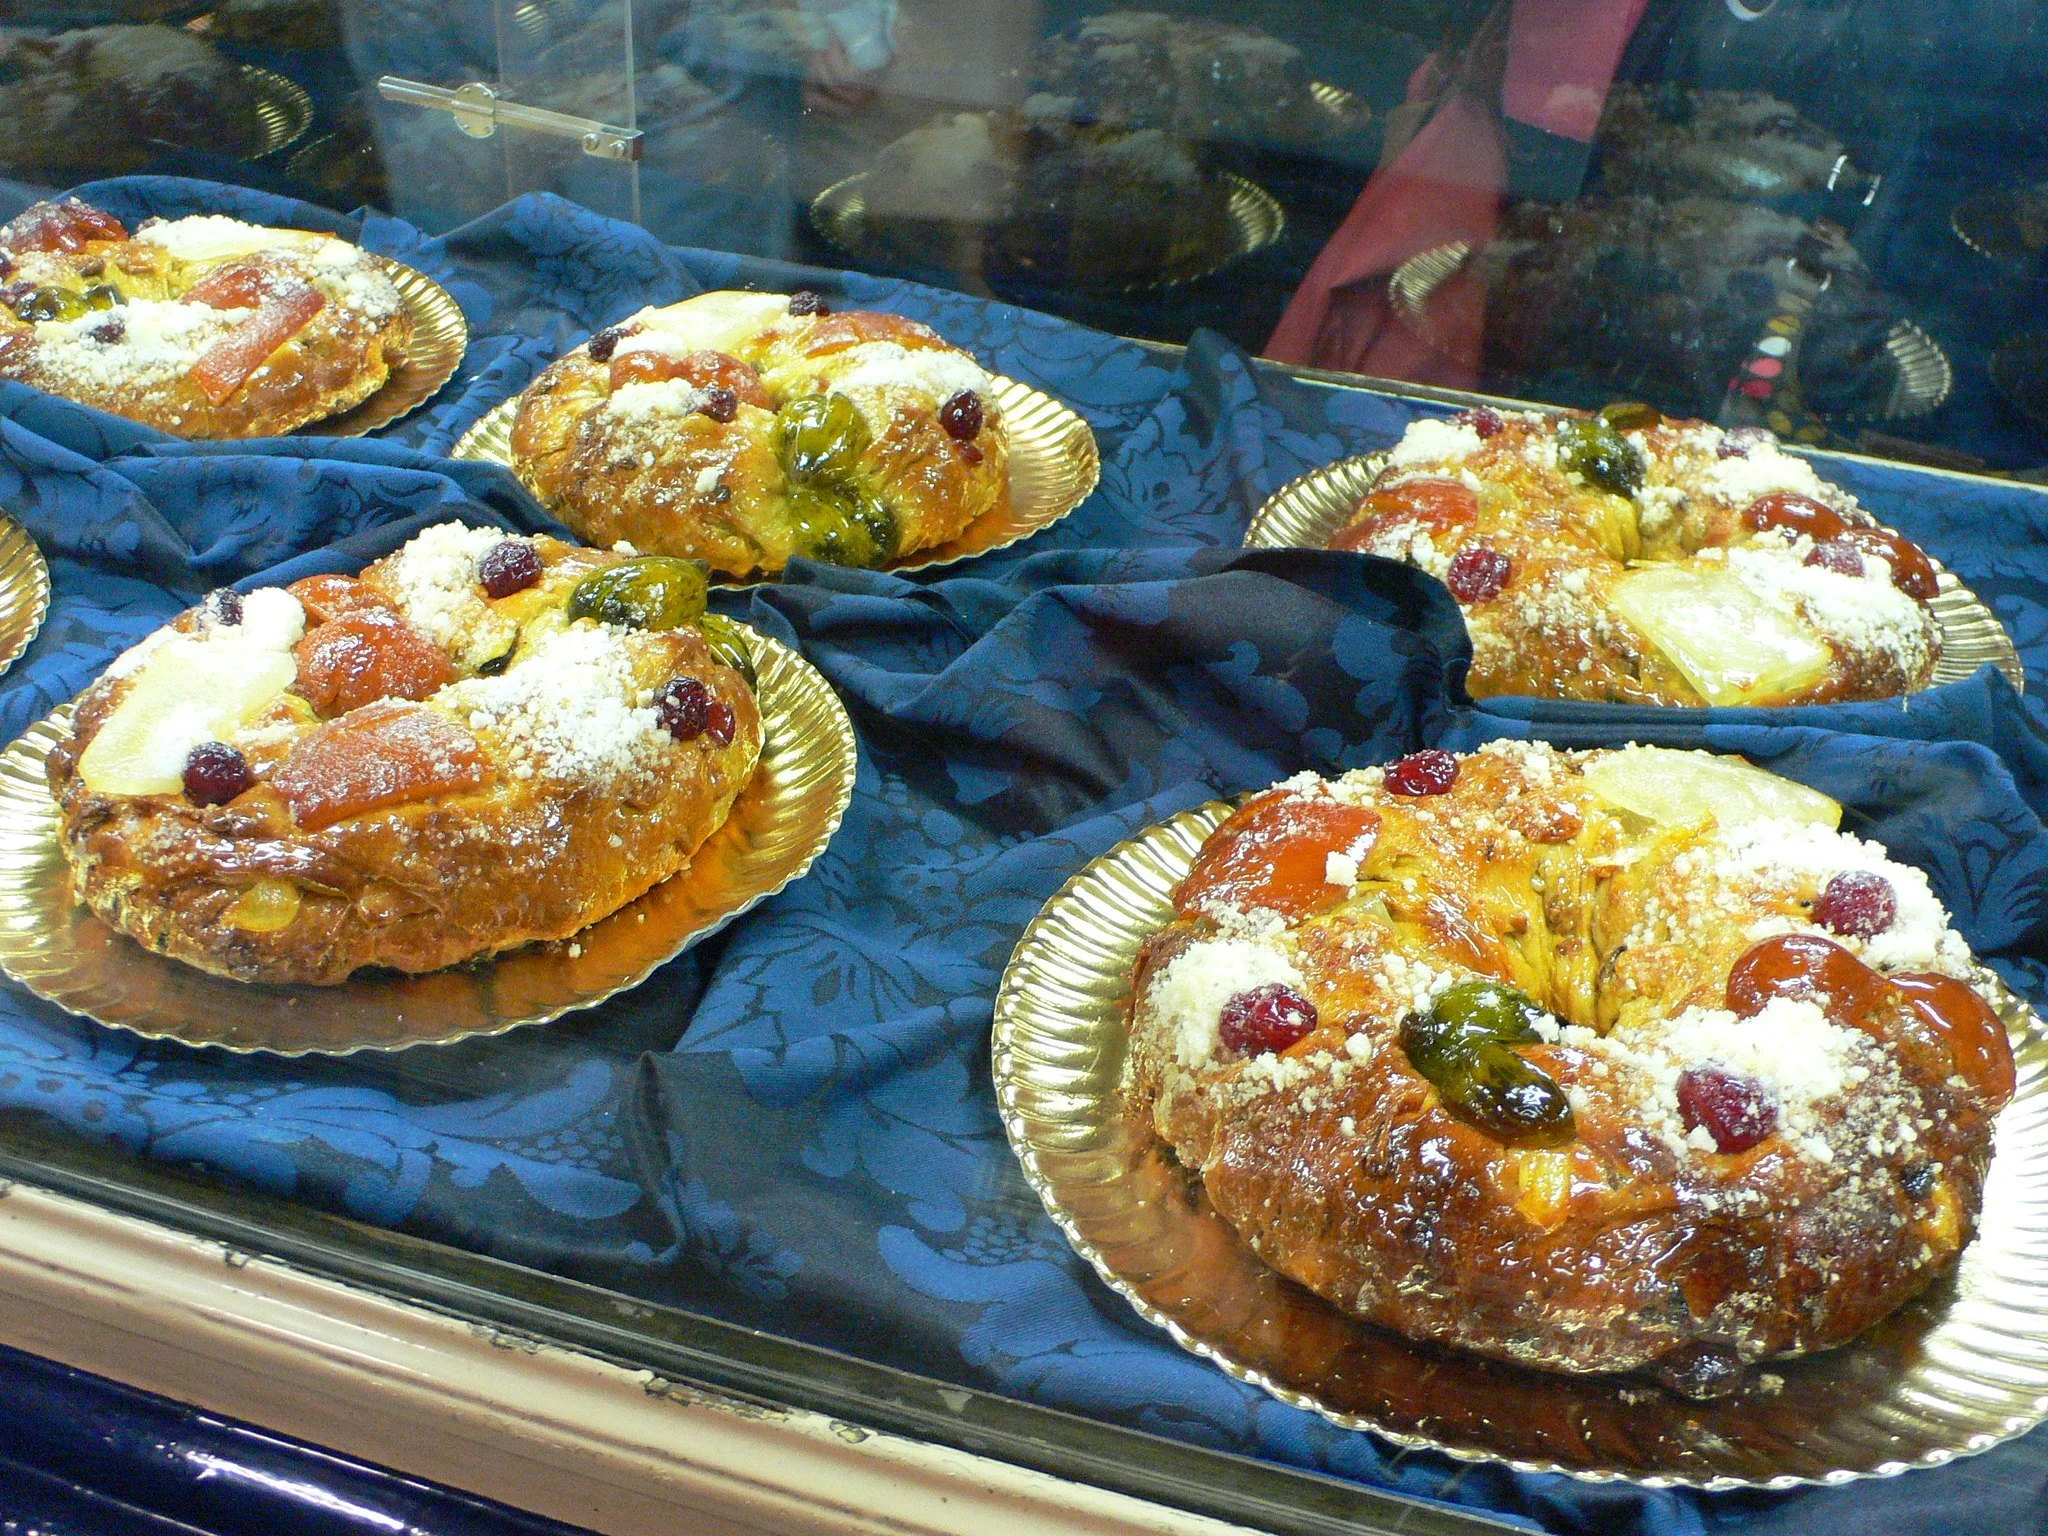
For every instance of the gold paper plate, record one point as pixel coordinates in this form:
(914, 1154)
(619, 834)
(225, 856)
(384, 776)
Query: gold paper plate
(1054, 465)
(779, 824)
(24, 590)
(1955, 1372)
(439, 338)
(1253, 219)
(1306, 512)
(282, 107)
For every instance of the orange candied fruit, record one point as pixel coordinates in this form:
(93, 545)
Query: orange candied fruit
(383, 755)
(1442, 506)
(1274, 853)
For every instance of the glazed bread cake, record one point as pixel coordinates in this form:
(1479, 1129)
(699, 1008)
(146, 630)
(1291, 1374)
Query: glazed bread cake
(482, 741)
(1586, 1061)
(1629, 558)
(742, 429)
(203, 327)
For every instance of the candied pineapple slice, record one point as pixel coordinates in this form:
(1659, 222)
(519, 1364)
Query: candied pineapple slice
(1732, 645)
(177, 700)
(1680, 789)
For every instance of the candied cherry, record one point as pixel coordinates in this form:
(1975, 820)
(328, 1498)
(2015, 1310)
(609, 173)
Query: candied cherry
(1483, 419)
(720, 403)
(1857, 903)
(215, 773)
(1477, 574)
(606, 342)
(1736, 1110)
(1268, 1018)
(509, 566)
(1912, 572)
(683, 706)
(1838, 555)
(805, 302)
(225, 604)
(720, 723)
(962, 416)
(1796, 513)
(107, 332)
(1432, 771)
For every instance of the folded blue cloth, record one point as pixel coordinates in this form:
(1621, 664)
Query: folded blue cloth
(791, 1126)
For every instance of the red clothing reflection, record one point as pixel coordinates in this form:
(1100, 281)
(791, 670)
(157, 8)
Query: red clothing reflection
(1544, 64)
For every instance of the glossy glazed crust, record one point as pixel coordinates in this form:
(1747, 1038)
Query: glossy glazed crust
(715, 491)
(1613, 1252)
(415, 886)
(1553, 631)
(335, 362)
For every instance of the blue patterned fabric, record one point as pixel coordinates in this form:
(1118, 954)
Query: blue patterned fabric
(791, 1126)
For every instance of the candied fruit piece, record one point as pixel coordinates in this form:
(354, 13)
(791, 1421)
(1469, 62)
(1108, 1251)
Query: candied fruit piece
(1795, 513)
(1275, 853)
(962, 416)
(384, 754)
(68, 225)
(329, 597)
(1432, 771)
(265, 907)
(1857, 903)
(805, 302)
(1478, 574)
(508, 567)
(704, 370)
(1808, 966)
(1977, 1041)
(683, 706)
(1439, 506)
(215, 773)
(226, 365)
(367, 655)
(1268, 1018)
(1912, 572)
(1838, 555)
(1483, 419)
(1736, 1110)
(1462, 1044)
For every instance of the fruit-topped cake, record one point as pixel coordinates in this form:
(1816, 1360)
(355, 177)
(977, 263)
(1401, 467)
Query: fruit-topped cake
(743, 429)
(1589, 1061)
(204, 327)
(482, 741)
(1629, 558)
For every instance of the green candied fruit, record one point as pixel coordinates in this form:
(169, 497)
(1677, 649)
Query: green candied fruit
(1462, 1043)
(1600, 455)
(650, 592)
(1630, 415)
(728, 643)
(102, 296)
(840, 528)
(48, 302)
(821, 437)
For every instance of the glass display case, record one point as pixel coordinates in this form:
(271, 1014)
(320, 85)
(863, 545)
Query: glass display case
(771, 1182)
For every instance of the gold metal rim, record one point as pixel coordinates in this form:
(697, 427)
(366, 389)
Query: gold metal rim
(1254, 220)
(282, 106)
(1054, 467)
(779, 825)
(440, 335)
(1954, 1373)
(24, 591)
(1307, 511)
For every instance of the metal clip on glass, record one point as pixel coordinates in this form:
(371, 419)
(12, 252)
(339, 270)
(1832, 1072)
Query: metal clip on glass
(479, 111)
